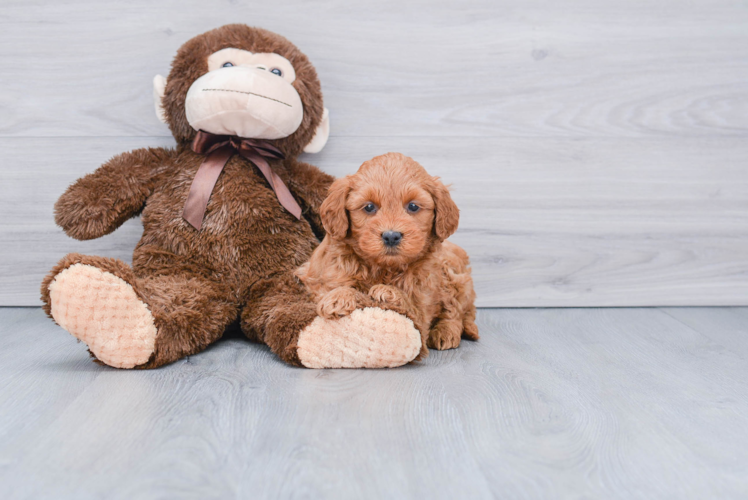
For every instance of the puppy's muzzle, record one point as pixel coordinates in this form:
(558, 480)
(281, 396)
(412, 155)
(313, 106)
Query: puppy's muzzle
(392, 238)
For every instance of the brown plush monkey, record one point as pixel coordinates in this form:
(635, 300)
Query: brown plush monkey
(227, 217)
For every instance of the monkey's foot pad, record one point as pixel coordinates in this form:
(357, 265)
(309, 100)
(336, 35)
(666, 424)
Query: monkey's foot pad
(368, 338)
(103, 311)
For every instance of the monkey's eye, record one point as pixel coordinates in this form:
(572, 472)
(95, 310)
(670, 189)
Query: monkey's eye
(276, 71)
(370, 208)
(227, 64)
(413, 208)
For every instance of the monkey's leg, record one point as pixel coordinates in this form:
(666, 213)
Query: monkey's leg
(395, 300)
(131, 322)
(282, 314)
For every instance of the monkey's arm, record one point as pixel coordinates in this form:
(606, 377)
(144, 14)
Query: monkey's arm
(100, 202)
(310, 185)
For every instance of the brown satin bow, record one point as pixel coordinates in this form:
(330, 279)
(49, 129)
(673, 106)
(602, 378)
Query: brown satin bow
(218, 150)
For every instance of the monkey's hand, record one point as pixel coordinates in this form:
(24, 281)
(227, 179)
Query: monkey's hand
(100, 202)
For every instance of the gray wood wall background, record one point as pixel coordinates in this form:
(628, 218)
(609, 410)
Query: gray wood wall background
(596, 148)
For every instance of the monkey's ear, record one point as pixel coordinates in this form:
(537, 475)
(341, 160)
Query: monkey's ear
(320, 135)
(447, 215)
(332, 211)
(159, 86)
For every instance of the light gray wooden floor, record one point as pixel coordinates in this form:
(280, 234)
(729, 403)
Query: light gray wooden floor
(551, 403)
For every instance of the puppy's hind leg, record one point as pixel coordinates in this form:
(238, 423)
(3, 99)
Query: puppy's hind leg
(445, 334)
(470, 329)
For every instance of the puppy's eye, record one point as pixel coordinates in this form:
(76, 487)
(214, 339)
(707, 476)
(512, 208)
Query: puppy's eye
(370, 208)
(227, 64)
(276, 71)
(413, 208)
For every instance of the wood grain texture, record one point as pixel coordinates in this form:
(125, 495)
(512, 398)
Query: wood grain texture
(554, 403)
(595, 222)
(390, 68)
(597, 149)
(732, 329)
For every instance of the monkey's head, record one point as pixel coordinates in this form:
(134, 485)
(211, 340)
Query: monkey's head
(247, 82)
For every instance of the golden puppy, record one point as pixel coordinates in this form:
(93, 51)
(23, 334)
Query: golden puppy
(386, 227)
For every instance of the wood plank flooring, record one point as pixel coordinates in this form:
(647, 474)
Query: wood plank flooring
(550, 403)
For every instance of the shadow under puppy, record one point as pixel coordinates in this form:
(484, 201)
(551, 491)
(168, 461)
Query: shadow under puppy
(385, 246)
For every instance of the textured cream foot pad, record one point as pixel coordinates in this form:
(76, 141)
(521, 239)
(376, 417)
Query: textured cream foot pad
(368, 338)
(103, 311)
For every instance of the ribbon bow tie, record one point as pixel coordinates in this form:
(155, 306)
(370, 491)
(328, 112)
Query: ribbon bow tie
(218, 150)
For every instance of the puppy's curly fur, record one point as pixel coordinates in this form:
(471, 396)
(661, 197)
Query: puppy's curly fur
(422, 276)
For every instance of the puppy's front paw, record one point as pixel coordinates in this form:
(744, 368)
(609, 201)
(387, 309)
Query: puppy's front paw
(339, 302)
(387, 294)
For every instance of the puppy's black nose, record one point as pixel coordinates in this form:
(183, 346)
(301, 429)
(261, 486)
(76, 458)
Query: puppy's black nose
(392, 238)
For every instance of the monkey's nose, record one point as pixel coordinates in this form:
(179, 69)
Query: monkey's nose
(392, 238)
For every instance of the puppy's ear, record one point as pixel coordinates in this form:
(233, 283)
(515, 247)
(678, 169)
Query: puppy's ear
(332, 212)
(447, 214)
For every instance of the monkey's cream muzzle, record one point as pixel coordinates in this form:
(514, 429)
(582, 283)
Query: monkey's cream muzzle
(246, 94)
(244, 101)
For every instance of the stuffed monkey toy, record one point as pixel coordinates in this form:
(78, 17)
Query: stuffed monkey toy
(228, 215)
